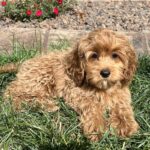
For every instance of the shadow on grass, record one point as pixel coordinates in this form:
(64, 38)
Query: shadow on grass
(71, 146)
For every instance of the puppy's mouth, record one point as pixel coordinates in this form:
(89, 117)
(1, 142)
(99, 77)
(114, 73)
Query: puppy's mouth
(101, 84)
(104, 84)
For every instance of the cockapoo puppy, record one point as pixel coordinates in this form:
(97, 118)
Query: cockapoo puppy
(93, 79)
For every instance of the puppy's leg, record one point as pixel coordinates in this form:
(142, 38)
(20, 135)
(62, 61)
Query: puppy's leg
(122, 119)
(92, 120)
(35, 102)
(44, 103)
(19, 95)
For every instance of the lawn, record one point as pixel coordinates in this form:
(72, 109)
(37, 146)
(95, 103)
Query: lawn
(38, 130)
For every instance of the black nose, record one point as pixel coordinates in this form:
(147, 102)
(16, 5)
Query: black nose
(105, 73)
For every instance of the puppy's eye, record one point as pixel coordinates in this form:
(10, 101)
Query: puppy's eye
(114, 55)
(94, 55)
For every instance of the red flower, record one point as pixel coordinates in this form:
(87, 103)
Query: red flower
(60, 1)
(56, 11)
(28, 12)
(39, 13)
(3, 3)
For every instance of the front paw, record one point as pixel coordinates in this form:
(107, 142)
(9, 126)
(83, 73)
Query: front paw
(127, 129)
(93, 131)
(94, 137)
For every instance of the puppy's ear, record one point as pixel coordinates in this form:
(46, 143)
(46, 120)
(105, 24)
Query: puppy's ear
(131, 65)
(75, 65)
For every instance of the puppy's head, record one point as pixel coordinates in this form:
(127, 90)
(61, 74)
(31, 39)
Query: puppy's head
(102, 59)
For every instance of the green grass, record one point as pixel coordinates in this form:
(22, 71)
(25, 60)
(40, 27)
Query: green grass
(60, 130)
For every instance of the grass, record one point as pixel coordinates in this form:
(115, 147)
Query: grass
(32, 130)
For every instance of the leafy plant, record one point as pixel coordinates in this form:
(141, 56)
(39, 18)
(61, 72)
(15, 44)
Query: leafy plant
(33, 9)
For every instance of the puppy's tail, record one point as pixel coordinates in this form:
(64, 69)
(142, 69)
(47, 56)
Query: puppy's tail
(9, 68)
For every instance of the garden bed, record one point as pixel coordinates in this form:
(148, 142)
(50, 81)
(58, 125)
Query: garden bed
(122, 16)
